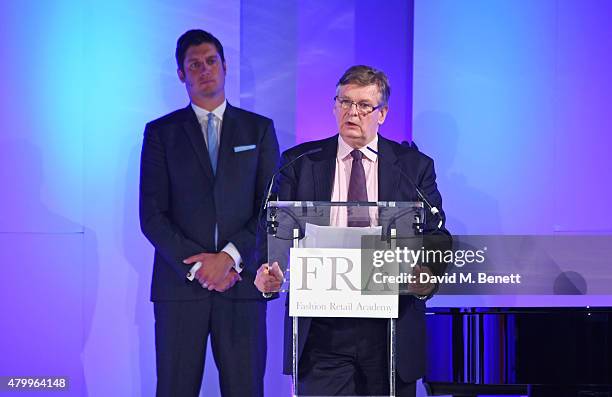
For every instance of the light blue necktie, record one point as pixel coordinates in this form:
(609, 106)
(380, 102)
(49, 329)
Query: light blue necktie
(213, 145)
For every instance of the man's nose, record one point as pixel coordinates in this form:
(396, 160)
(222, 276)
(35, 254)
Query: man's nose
(205, 69)
(352, 110)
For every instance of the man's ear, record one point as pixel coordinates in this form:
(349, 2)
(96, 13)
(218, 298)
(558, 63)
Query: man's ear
(181, 75)
(383, 115)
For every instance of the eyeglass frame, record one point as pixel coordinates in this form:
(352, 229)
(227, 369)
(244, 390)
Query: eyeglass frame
(359, 112)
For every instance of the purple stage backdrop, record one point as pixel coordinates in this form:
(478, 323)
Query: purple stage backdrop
(512, 100)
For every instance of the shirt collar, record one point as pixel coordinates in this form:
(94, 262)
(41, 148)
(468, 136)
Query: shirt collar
(202, 114)
(345, 150)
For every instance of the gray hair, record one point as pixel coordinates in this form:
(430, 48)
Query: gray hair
(363, 75)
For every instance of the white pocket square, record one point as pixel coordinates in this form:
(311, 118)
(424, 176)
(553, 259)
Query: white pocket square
(238, 149)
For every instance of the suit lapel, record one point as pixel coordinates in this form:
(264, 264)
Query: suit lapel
(229, 130)
(388, 175)
(194, 132)
(323, 167)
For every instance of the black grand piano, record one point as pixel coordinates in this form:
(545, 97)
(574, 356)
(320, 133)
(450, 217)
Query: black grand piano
(536, 352)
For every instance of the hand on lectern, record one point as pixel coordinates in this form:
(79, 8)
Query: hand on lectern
(269, 278)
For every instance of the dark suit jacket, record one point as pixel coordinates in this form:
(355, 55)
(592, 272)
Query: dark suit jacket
(311, 179)
(181, 199)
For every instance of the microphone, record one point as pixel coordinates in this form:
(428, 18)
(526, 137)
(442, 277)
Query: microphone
(270, 185)
(434, 210)
(269, 195)
(284, 167)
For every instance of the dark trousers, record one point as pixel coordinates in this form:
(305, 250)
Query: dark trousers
(347, 357)
(237, 330)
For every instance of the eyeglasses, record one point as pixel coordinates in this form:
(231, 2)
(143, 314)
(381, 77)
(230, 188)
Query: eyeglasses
(363, 108)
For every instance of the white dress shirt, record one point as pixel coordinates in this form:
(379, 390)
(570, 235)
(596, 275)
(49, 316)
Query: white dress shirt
(202, 115)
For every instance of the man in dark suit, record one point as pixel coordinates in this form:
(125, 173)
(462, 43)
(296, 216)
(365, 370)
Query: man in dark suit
(204, 171)
(348, 356)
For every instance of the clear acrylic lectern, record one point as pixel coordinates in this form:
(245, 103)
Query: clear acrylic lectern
(290, 224)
